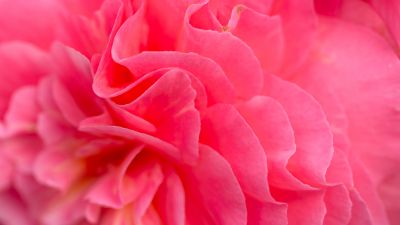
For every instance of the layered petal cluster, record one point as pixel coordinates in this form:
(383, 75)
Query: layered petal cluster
(200, 112)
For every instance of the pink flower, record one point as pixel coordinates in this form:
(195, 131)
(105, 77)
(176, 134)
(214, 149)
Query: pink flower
(219, 112)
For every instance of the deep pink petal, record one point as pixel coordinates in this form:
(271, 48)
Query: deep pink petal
(359, 214)
(216, 196)
(299, 37)
(6, 175)
(224, 129)
(304, 207)
(207, 71)
(367, 86)
(232, 54)
(262, 33)
(170, 200)
(271, 124)
(389, 10)
(314, 140)
(266, 213)
(338, 205)
(169, 105)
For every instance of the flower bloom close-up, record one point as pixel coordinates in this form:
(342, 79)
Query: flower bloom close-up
(199, 112)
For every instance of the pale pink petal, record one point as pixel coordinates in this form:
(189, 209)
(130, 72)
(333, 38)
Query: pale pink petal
(21, 64)
(22, 151)
(35, 196)
(57, 169)
(38, 28)
(53, 129)
(66, 209)
(13, 211)
(109, 191)
(22, 112)
(71, 87)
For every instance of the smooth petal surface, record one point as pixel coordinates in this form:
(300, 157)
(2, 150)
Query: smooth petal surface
(227, 132)
(314, 140)
(367, 87)
(232, 54)
(216, 194)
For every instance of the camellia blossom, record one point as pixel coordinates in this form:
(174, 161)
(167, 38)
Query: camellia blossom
(199, 112)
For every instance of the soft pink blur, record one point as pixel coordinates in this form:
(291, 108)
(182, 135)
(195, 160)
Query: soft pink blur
(219, 112)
